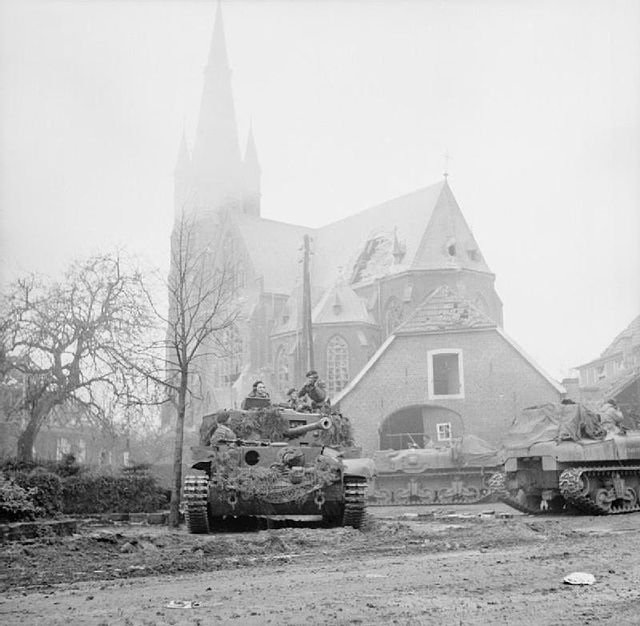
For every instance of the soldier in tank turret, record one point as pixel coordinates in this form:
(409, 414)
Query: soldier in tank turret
(314, 391)
(258, 392)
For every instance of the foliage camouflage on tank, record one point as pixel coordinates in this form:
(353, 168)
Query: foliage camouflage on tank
(278, 463)
(558, 459)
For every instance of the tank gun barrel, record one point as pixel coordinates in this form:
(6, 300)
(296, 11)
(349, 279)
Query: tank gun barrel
(324, 423)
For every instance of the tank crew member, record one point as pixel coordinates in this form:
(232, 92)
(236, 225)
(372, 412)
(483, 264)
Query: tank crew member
(259, 390)
(222, 432)
(611, 418)
(315, 390)
(292, 399)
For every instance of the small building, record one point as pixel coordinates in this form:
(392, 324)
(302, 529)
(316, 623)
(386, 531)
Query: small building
(449, 370)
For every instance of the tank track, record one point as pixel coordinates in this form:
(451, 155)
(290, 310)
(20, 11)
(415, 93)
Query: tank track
(196, 501)
(355, 496)
(575, 490)
(497, 486)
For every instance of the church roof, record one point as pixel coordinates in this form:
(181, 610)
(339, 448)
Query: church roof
(444, 310)
(341, 305)
(274, 250)
(341, 244)
(422, 230)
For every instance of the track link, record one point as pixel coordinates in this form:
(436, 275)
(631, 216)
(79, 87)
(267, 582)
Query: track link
(196, 501)
(574, 488)
(355, 496)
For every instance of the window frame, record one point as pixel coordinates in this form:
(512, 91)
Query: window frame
(448, 426)
(430, 372)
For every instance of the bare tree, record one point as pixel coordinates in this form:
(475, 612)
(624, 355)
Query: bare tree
(201, 290)
(62, 343)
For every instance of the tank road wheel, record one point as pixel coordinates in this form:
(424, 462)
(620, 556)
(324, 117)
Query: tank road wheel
(196, 501)
(355, 497)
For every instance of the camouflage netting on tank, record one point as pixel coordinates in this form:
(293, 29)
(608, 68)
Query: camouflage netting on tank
(271, 424)
(279, 484)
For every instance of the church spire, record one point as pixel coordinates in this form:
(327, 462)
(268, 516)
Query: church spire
(181, 176)
(216, 152)
(251, 177)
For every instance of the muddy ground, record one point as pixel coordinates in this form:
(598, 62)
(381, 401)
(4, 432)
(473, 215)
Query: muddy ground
(461, 565)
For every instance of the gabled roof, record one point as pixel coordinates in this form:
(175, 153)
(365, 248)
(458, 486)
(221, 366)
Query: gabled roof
(341, 305)
(630, 332)
(444, 310)
(415, 232)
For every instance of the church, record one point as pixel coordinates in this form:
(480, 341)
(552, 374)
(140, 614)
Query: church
(405, 324)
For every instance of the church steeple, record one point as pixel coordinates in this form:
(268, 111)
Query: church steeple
(251, 177)
(182, 176)
(216, 153)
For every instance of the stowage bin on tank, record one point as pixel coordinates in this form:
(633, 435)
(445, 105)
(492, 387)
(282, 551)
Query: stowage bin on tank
(277, 462)
(558, 458)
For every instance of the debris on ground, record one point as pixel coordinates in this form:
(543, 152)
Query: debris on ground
(579, 578)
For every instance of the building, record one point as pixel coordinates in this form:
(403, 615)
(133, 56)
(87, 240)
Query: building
(615, 374)
(371, 274)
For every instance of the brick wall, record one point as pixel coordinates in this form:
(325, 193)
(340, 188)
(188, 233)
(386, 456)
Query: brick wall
(498, 383)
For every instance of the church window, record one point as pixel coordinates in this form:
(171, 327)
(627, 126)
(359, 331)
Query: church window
(473, 254)
(444, 431)
(445, 378)
(451, 249)
(337, 364)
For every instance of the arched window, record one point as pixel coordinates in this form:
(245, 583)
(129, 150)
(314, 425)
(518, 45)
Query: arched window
(282, 370)
(337, 364)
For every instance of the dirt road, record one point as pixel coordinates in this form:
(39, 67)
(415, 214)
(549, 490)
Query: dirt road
(431, 567)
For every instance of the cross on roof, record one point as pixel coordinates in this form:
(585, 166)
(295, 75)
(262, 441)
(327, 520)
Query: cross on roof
(447, 158)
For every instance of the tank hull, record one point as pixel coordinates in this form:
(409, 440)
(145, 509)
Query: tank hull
(592, 477)
(295, 477)
(468, 486)
(457, 473)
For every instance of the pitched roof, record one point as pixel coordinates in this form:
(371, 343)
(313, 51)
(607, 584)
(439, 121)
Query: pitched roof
(341, 305)
(339, 244)
(273, 248)
(630, 332)
(413, 231)
(444, 310)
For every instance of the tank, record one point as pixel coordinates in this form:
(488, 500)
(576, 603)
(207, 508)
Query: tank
(278, 463)
(454, 472)
(558, 458)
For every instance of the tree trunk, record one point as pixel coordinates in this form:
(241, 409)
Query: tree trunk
(27, 440)
(174, 506)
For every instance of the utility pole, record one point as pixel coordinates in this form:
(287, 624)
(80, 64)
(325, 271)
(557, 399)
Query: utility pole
(306, 347)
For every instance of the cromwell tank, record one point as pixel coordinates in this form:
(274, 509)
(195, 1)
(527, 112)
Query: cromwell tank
(455, 472)
(558, 458)
(275, 462)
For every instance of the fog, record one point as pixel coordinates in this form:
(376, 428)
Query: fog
(352, 103)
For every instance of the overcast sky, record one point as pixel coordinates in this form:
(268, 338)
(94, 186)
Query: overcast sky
(353, 103)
